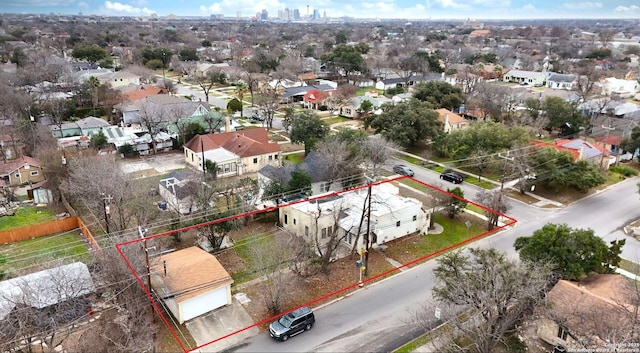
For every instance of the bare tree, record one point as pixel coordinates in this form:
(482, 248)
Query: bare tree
(327, 232)
(152, 117)
(496, 204)
(494, 291)
(268, 259)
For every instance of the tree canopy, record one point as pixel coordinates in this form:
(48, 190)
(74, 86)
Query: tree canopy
(489, 136)
(406, 123)
(440, 94)
(494, 290)
(562, 114)
(92, 53)
(307, 128)
(574, 253)
(346, 58)
(558, 169)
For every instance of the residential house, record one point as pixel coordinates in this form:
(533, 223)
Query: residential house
(313, 164)
(178, 190)
(352, 109)
(579, 149)
(391, 217)
(610, 131)
(191, 282)
(120, 79)
(297, 93)
(561, 81)
(20, 171)
(235, 153)
(83, 127)
(531, 78)
(451, 120)
(165, 106)
(47, 288)
(598, 310)
(400, 82)
(619, 87)
(134, 93)
(480, 33)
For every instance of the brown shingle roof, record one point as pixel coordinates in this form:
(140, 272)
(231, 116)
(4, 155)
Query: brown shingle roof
(15, 164)
(453, 117)
(245, 143)
(144, 92)
(190, 273)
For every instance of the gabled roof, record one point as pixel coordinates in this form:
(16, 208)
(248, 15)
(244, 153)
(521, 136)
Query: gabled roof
(45, 288)
(314, 165)
(245, 143)
(91, 122)
(452, 117)
(552, 76)
(143, 92)
(523, 73)
(589, 150)
(189, 273)
(15, 164)
(301, 90)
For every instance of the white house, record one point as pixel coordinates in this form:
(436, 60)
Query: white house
(46, 288)
(532, 78)
(561, 81)
(120, 79)
(620, 87)
(392, 216)
(191, 282)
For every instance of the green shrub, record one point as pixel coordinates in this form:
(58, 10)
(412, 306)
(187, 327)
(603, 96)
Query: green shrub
(624, 170)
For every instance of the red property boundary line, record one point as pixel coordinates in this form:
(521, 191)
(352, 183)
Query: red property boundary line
(510, 221)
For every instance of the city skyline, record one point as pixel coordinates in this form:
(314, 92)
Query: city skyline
(392, 9)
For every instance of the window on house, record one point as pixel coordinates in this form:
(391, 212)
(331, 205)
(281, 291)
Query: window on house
(562, 333)
(34, 173)
(398, 224)
(294, 221)
(17, 176)
(270, 158)
(255, 161)
(275, 157)
(234, 167)
(324, 233)
(415, 218)
(330, 230)
(286, 219)
(306, 231)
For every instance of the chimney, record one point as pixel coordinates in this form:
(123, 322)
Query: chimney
(227, 123)
(446, 119)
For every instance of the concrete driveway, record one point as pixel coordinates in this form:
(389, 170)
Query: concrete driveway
(160, 163)
(219, 323)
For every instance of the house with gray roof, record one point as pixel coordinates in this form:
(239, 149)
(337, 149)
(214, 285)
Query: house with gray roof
(178, 190)
(352, 108)
(166, 105)
(561, 81)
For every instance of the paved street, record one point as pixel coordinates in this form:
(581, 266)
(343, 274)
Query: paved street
(375, 319)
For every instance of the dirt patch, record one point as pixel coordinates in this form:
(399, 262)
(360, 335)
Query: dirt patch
(291, 147)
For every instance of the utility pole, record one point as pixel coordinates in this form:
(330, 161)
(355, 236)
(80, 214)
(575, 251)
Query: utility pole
(105, 207)
(204, 164)
(368, 235)
(504, 168)
(142, 232)
(164, 59)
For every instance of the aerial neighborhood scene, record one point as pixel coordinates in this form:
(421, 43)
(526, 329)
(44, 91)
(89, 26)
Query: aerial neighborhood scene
(288, 176)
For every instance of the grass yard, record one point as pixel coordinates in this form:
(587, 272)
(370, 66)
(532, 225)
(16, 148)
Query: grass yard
(243, 248)
(26, 216)
(69, 246)
(294, 158)
(413, 247)
(362, 91)
(335, 120)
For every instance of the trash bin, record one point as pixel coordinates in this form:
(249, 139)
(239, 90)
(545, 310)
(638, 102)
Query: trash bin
(162, 205)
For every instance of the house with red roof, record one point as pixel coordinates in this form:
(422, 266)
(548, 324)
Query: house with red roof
(20, 171)
(235, 153)
(451, 120)
(579, 149)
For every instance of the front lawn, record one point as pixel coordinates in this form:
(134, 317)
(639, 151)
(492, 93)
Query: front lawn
(295, 158)
(335, 120)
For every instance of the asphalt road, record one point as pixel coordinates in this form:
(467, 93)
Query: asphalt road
(376, 318)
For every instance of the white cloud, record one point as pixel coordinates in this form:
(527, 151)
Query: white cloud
(128, 9)
(632, 8)
(453, 4)
(587, 5)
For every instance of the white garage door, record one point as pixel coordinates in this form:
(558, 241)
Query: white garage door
(204, 303)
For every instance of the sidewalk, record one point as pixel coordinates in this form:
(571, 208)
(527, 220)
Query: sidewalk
(542, 202)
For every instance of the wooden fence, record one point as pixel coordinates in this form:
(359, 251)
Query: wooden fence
(49, 228)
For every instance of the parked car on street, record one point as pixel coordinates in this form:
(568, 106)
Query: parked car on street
(291, 324)
(452, 177)
(403, 170)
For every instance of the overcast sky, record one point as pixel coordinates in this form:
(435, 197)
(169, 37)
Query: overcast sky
(409, 9)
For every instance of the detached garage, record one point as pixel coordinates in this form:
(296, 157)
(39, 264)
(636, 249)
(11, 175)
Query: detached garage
(190, 282)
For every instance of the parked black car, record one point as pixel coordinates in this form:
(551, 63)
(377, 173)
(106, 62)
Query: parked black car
(452, 177)
(292, 323)
(402, 170)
